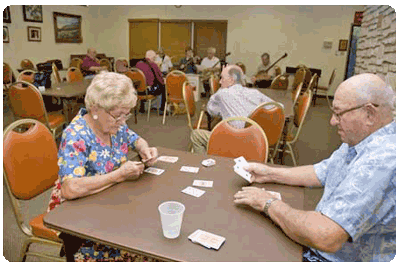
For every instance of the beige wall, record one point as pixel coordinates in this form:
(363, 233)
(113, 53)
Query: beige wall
(298, 30)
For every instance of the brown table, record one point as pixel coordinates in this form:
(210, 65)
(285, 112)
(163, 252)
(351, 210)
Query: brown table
(68, 94)
(282, 96)
(126, 215)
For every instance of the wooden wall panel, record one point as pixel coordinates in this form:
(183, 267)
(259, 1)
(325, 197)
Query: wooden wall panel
(143, 36)
(175, 37)
(210, 34)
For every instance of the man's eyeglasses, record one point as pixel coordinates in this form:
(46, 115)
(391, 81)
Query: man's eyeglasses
(340, 114)
(120, 118)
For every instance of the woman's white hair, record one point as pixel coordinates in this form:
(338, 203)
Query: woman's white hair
(109, 90)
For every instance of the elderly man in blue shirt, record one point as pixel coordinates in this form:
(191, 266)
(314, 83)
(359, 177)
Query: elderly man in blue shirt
(355, 220)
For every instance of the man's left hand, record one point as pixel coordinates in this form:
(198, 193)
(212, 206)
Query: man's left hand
(254, 197)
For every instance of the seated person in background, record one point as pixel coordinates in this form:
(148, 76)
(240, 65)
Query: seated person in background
(188, 63)
(163, 61)
(93, 156)
(261, 78)
(355, 220)
(208, 66)
(232, 99)
(91, 65)
(246, 80)
(154, 79)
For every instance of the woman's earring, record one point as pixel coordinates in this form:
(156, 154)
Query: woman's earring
(95, 117)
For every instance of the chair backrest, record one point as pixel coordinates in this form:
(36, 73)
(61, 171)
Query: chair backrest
(173, 86)
(271, 117)
(76, 62)
(214, 84)
(296, 93)
(29, 158)
(298, 78)
(313, 82)
(280, 82)
(301, 108)
(105, 62)
(27, 76)
(74, 75)
(188, 98)
(27, 65)
(7, 74)
(56, 74)
(138, 78)
(228, 141)
(121, 65)
(27, 102)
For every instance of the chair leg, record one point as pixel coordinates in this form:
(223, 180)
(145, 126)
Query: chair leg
(292, 154)
(148, 111)
(25, 249)
(165, 112)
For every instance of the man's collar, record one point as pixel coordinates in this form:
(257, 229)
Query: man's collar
(382, 130)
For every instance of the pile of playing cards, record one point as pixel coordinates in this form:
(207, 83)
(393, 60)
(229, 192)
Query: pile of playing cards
(238, 168)
(208, 162)
(207, 239)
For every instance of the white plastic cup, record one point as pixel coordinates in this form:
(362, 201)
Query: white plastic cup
(171, 214)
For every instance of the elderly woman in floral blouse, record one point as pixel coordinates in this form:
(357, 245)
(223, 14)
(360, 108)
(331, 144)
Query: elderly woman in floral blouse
(93, 156)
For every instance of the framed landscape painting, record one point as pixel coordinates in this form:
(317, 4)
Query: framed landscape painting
(67, 28)
(33, 13)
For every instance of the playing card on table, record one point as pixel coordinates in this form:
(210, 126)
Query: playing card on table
(155, 171)
(208, 162)
(169, 159)
(207, 239)
(202, 183)
(190, 169)
(193, 191)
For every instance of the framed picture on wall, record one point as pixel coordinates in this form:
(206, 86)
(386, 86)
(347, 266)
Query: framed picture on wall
(34, 34)
(6, 35)
(67, 28)
(33, 13)
(6, 15)
(343, 45)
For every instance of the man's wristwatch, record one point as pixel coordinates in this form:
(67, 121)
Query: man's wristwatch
(268, 204)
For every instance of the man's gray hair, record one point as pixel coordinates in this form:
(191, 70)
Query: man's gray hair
(237, 74)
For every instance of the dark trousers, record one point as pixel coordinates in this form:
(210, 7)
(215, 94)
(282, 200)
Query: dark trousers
(159, 90)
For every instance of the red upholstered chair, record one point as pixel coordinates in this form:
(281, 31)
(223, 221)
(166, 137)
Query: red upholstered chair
(214, 84)
(300, 113)
(139, 81)
(105, 62)
(173, 88)
(271, 117)
(26, 102)
(121, 65)
(30, 168)
(313, 86)
(27, 76)
(280, 82)
(74, 75)
(76, 62)
(228, 141)
(27, 65)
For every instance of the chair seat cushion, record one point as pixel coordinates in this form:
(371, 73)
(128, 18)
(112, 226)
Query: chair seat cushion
(55, 120)
(38, 229)
(146, 97)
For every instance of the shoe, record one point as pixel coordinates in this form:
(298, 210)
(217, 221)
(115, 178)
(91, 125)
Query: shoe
(142, 111)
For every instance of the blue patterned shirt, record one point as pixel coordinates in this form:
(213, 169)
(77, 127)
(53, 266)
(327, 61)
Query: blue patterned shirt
(360, 195)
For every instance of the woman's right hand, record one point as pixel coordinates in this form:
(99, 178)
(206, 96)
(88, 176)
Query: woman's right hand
(130, 169)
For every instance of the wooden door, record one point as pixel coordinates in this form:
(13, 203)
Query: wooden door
(175, 37)
(143, 36)
(210, 34)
